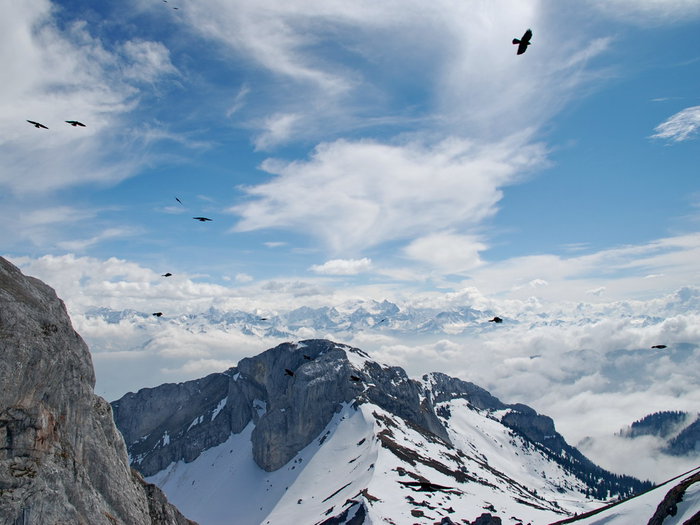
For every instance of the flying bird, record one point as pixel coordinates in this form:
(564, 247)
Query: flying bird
(202, 219)
(523, 42)
(660, 347)
(263, 319)
(308, 357)
(168, 274)
(496, 320)
(75, 123)
(37, 124)
(158, 314)
(178, 200)
(355, 378)
(425, 486)
(288, 372)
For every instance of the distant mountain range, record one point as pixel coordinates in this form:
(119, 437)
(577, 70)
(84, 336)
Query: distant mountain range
(318, 432)
(358, 316)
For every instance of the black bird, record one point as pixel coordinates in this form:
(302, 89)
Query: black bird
(425, 486)
(263, 319)
(523, 42)
(202, 219)
(158, 314)
(37, 124)
(660, 347)
(178, 200)
(168, 274)
(355, 378)
(308, 357)
(288, 372)
(75, 123)
(496, 320)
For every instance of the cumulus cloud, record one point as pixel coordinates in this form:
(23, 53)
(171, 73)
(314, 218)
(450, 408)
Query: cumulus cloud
(447, 251)
(679, 127)
(357, 194)
(343, 266)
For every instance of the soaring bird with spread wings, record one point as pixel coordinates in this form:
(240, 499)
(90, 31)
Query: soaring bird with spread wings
(523, 42)
(37, 124)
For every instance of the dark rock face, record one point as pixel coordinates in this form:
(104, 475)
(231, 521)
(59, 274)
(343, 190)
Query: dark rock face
(173, 422)
(62, 459)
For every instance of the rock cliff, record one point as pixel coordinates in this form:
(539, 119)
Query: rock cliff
(62, 460)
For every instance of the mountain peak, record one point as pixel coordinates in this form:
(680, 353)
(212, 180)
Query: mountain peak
(348, 436)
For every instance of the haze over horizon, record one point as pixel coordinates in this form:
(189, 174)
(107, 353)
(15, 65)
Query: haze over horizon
(350, 152)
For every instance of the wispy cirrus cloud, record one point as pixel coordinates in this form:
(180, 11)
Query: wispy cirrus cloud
(682, 126)
(649, 11)
(55, 74)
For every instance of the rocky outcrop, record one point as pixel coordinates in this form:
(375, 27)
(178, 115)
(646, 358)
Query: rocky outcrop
(62, 460)
(177, 422)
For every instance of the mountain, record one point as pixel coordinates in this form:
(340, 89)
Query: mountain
(348, 440)
(62, 460)
(680, 431)
(670, 503)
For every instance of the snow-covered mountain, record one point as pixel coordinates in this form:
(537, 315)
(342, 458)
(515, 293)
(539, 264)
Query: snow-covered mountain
(674, 502)
(318, 432)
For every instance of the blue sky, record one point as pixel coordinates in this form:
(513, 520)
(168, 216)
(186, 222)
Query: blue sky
(358, 151)
(345, 132)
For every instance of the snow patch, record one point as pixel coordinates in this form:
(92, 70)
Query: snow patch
(219, 407)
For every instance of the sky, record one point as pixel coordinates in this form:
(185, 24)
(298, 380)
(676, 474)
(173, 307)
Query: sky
(357, 151)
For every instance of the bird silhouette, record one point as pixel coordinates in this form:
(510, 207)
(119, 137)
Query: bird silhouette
(425, 486)
(202, 219)
(75, 123)
(308, 357)
(355, 378)
(288, 372)
(523, 42)
(660, 347)
(168, 274)
(496, 320)
(37, 124)
(158, 314)
(178, 200)
(263, 319)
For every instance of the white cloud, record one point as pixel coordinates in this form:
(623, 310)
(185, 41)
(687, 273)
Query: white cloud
(682, 126)
(243, 278)
(343, 266)
(649, 11)
(374, 56)
(354, 195)
(448, 252)
(276, 129)
(108, 234)
(53, 74)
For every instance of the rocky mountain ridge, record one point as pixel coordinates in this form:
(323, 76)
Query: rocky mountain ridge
(62, 460)
(432, 428)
